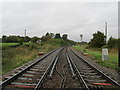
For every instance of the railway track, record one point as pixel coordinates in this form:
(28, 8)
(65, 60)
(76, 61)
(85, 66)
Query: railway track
(33, 75)
(62, 77)
(62, 69)
(91, 77)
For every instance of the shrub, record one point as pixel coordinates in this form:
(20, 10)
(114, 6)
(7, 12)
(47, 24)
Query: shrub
(112, 42)
(20, 41)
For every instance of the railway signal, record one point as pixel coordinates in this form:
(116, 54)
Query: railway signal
(81, 35)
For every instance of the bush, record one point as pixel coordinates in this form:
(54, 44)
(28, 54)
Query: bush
(20, 41)
(48, 47)
(34, 45)
(34, 39)
(112, 42)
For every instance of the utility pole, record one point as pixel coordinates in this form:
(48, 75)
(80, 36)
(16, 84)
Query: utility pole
(106, 31)
(119, 41)
(25, 37)
(119, 34)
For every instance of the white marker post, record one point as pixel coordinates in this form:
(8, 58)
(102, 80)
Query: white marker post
(105, 54)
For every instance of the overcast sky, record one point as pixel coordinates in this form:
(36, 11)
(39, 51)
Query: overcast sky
(72, 18)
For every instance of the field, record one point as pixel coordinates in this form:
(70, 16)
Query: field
(96, 55)
(9, 44)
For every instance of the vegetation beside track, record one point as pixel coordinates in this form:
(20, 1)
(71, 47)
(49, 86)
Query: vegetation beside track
(96, 54)
(15, 57)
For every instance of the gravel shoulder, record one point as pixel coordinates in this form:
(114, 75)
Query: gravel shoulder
(109, 72)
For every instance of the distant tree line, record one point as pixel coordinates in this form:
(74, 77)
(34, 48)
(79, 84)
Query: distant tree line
(43, 39)
(14, 39)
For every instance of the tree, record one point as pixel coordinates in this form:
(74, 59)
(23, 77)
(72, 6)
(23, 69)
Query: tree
(34, 39)
(47, 34)
(4, 38)
(26, 39)
(112, 42)
(98, 40)
(57, 35)
(46, 37)
(52, 35)
(20, 41)
(64, 37)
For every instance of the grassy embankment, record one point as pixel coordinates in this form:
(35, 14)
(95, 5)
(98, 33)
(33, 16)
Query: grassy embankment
(17, 56)
(96, 55)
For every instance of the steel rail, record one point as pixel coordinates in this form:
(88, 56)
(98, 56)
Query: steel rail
(65, 78)
(78, 73)
(50, 76)
(40, 82)
(60, 76)
(6, 82)
(72, 71)
(100, 72)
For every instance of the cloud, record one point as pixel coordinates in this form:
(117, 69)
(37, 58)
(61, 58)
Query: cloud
(72, 18)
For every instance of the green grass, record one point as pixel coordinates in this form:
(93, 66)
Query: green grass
(15, 57)
(8, 44)
(97, 56)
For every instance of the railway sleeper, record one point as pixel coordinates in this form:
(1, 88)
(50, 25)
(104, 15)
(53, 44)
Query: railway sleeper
(85, 68)
(91, 77)
(102, 87)
(24, 78)
(20, 83)
(87, 73)
(31, 72)
(95, 81)
(37, 70)
(28, 75)
(27, 80)
(94, 87)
